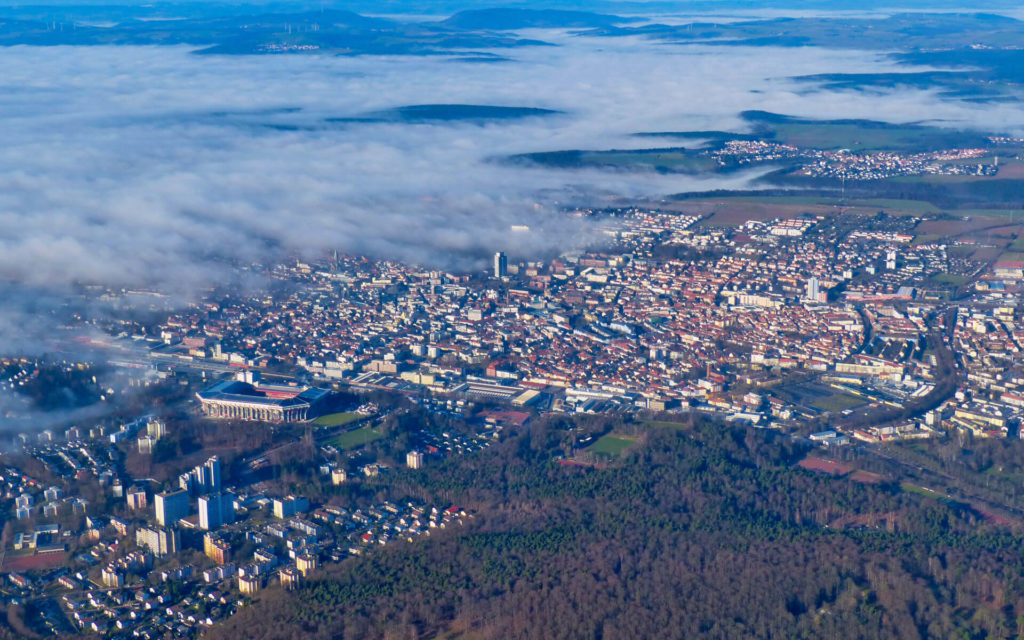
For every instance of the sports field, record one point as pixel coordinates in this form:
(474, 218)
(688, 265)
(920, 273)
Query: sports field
(355, 438)
(337, 419)
(611, 445)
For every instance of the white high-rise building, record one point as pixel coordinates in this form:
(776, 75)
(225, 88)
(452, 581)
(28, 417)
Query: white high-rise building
(500, 265)
(216, 510)
(890, 260)
(211, 474)
(204, 478)
(813, 288)
(414, 460)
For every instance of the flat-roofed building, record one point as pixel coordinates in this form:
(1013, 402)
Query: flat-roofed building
(249, 584)
(306, 563)
(290, 578)
(216, 548)
(136, 498)
(160, 541)
(171, 507)
(215, 510)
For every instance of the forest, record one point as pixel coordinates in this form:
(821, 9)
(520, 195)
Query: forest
(702, 530)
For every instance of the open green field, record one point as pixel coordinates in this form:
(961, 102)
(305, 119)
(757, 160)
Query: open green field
(819, 396)
(926, 238)
(337, 419)
(355, 438)
(1008, 170)
(610, 445)
(960, 250)
(676, 161)
(857, 135)
(890, 205)
(843, 136)
(665, 159)
(1014, 216)
(897, 203)
(909, 487)
(793, 200)
(777, 200)
(837, 402)
(949, 278)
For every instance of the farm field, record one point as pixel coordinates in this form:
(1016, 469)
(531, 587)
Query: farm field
(897, 204)
(736, 210)
(855, 135)
(731, 212)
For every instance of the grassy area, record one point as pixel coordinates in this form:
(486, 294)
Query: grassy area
(927, 238)
(949, 278)
(908, 487)
(859, 136)
(960, 251)
(337, 419)
(913, 488)
(661, 424)
(1013, 215)
(895, 203)
(355, 438)
(790, 200)
(868, 206)
(837, 402)
(611, 445)
(679, 161)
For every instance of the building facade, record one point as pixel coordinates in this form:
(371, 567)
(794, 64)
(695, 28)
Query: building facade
(171, 507)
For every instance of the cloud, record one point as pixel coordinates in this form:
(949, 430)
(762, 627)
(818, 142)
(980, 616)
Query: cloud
(152, 167)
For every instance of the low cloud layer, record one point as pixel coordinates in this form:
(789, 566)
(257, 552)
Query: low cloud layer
(154, 167)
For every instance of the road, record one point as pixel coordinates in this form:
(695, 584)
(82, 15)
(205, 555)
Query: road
(947, 379)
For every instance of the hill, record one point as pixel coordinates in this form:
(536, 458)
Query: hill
(449, 112)
(702, 531)
(334, 31)
(509, 19)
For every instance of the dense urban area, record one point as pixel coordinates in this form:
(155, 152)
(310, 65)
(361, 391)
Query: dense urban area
(839, 329)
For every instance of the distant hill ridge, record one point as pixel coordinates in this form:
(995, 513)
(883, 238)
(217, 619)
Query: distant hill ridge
(509, 19)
